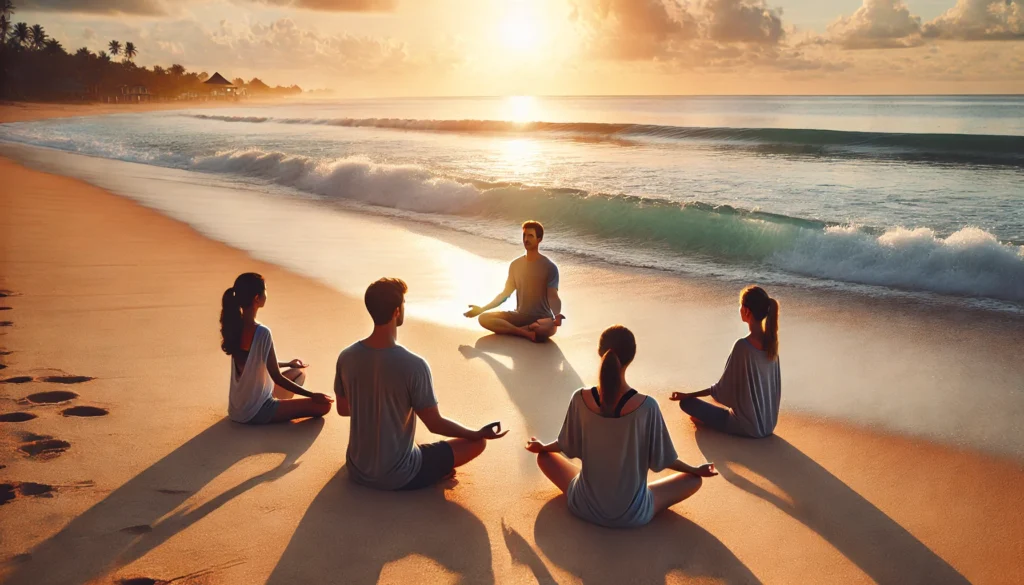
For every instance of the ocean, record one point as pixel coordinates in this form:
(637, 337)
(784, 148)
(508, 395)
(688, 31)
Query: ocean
(912, 197)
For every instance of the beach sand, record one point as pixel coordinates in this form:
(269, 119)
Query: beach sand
(163, 486)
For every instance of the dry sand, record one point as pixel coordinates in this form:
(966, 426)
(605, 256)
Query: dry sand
(162, 486)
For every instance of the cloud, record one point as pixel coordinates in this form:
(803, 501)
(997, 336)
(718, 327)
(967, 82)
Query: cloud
(877, 24)
(164, 7)
(975, 20)
(108, 7)
(337, 5)
(280, 44)
(658, 29)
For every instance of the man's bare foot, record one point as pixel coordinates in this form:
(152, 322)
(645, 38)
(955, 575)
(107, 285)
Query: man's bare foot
(528, 333)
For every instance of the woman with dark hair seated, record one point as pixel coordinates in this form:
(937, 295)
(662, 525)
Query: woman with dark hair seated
(618, 435)
(751, 385)
(256, 375)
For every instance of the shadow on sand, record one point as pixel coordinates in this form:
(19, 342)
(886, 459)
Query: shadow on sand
(540, 380)
(873, 541)
(133, 519)
(670, 543)
(350, 533)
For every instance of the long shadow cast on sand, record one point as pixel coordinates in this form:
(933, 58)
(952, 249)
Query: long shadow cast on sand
(539, 381)
(670, 543)
(873, 541)
(137, 517)
(350, 533)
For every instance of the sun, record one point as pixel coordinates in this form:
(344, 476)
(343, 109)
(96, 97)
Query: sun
(519, 33)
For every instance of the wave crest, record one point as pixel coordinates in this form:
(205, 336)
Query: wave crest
(950, 148)
(969, 262)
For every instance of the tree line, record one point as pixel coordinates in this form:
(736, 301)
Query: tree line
(35, 66)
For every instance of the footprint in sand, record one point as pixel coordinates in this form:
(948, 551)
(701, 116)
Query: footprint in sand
(13, 490)
(51, 397)
(43, 448)
(5, 308)
(142, 581)
(85, 411)
(17, 380)
(6, 323)
(66, 379)
(16, 417)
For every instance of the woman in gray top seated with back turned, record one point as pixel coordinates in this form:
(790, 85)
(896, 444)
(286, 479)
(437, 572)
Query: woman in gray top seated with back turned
(618, 434)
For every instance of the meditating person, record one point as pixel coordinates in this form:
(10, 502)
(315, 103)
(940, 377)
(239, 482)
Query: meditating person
(381, 385)
(751, 386)
(256, 374)
(534, 279)
(618, 434)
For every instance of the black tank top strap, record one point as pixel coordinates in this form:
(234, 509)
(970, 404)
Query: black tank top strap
(622, 402)
(596, 395)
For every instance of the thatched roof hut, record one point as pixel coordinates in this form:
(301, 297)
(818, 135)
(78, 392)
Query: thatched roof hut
(218, 80)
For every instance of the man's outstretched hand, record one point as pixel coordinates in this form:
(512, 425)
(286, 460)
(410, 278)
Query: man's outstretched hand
(474, 311)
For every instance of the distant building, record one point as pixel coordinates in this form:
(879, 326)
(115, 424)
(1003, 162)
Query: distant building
(222, 88)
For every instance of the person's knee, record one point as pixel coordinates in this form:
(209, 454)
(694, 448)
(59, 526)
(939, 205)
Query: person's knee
(486, 321)
(300, 378)
(321, 408)
(476, 448)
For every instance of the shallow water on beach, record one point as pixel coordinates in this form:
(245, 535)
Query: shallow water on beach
(915, 197)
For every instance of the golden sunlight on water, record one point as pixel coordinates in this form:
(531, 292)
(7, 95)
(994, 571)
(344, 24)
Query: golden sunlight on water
(521, 108)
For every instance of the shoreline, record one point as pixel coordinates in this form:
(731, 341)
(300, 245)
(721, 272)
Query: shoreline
(888, 364)
(12, 112)
(163, 487)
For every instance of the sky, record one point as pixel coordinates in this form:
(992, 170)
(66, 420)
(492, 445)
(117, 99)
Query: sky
(377, 48)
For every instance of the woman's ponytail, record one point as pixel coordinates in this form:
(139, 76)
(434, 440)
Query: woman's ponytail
(230, 322)
(771, 330)
(610, 377)
(247, 288)
(764, 310)
(617, 348)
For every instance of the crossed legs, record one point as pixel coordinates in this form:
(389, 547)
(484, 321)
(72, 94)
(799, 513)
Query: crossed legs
(290, 408)
(667, 491)
(537, 331)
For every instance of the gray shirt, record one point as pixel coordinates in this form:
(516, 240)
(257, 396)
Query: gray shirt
(751, 386)
(611, 490)
(384, 388)
(532, 281)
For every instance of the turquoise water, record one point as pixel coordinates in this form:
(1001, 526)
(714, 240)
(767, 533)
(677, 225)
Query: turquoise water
(919, 194)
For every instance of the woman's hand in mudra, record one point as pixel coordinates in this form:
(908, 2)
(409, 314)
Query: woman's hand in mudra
(297, 363)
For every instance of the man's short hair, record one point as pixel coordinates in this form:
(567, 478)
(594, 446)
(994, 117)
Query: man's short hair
(383, 297)
(536, 227)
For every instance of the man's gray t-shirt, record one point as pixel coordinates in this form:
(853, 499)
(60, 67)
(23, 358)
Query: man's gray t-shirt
(532, 281)
(384, 388)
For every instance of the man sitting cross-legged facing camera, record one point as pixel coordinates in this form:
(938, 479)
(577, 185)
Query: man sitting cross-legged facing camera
(534, 279)
(380, 384)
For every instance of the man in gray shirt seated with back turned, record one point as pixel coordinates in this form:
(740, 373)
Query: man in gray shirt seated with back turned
(534, 278)
(380, 384)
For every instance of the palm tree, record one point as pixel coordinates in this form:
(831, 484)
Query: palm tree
(21, 33)
(53, 46)
(83, 52)
(177, 70)
(6, 10)
(104, 56)
(38, 36)
(158, 70)
(115, 47)
(130, 51)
